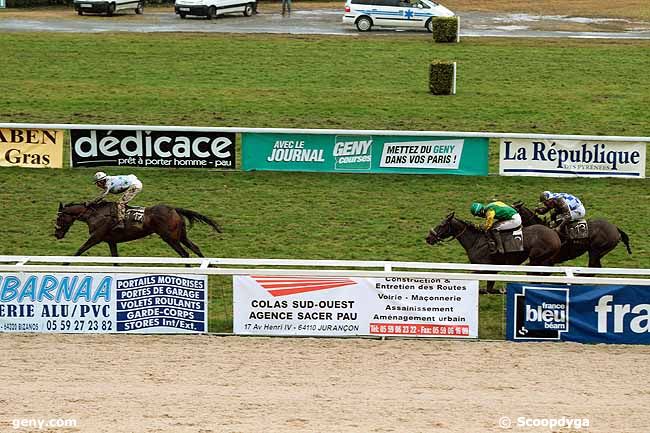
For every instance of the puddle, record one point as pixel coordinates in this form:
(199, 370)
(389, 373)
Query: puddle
(563, 18)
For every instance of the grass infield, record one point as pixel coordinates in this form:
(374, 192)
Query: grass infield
(537, 86)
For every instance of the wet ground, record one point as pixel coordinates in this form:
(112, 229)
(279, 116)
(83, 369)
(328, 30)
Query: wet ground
(326, 21)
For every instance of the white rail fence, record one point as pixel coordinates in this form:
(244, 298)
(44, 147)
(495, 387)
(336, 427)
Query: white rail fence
(322, 131)
(327, 268)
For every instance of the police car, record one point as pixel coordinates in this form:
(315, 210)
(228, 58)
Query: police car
(393, 13)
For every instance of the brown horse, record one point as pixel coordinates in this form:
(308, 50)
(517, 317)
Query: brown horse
(166, 221)
(541, 244)
(603, 238)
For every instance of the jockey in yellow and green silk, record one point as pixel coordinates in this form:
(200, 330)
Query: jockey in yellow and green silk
(498, 215)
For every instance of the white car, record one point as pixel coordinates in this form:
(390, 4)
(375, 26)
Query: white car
(212, 8)
(393, 13)
(108, 6)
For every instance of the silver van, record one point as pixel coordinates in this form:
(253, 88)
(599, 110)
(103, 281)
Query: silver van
(365, 14)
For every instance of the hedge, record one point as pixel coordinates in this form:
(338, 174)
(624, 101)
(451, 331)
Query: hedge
(441, 77)
(445, 29)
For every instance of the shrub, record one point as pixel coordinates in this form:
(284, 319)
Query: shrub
(445, 29)
(442, 77)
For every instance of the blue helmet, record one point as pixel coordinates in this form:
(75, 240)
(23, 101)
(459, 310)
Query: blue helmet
(545, 195)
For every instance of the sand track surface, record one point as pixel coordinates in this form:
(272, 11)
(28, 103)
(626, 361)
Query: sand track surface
(129, 383)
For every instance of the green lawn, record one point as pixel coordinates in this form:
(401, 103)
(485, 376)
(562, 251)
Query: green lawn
(539, 86)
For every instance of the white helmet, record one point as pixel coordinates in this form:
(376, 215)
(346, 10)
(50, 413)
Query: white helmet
(100, 175)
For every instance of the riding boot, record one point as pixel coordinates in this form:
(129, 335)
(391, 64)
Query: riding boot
(562, 229)
(492, 241)
(500, 247)
(120, 217)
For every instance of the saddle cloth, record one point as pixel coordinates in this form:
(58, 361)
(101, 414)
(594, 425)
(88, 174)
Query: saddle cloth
(134, 215)
(578, 229)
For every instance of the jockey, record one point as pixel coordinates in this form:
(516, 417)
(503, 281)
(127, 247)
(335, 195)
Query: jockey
(506, 217)
(566, 207)
(129, 185)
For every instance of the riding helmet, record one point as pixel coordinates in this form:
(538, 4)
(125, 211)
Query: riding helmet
(476, 208)
(100, 175)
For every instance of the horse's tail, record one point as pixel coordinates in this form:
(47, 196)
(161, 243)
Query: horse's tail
(626, 240)
(195, 216)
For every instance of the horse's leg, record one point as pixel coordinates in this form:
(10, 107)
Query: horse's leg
(191, 245)
(594, 259)
(113, 247)
(489, 285)
(176, 246)
(91, 242)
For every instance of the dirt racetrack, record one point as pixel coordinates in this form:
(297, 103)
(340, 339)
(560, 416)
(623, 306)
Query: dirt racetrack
(202, 384)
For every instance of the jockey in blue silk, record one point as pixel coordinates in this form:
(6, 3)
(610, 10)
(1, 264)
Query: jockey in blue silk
(566, 207)
(129, 186)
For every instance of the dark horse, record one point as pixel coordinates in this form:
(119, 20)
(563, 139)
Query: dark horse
(166, 221)
(541, 244)
(603, 238)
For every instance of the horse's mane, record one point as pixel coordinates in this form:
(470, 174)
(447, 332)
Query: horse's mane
(470, 225)
(89, 206)
(73, 204)
(521, 206)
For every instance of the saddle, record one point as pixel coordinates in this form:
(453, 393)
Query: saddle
(509, 241)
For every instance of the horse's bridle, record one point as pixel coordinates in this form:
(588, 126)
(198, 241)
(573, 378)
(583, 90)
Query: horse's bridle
(438, 239)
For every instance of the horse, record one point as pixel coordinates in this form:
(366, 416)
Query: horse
(603, 238)
(166, 221)
(541, 244)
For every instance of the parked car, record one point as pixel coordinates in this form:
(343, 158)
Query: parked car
(365, 14)
(212, 8)
(108, 6)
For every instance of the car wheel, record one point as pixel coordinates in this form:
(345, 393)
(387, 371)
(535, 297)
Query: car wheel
(212, 12)
(80, 12)
(182, 15)
(364, 24)
(111, 9)
(139, 9)
(429, 25)
(248, 10)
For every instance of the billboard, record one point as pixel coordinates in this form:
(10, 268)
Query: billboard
(365, 153)
(341, 306)
(572, 158)
(32, 148)
(103, 303)
(159, 149)
(585, 314)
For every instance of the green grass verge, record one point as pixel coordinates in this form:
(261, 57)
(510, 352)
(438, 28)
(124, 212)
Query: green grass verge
(571, 87)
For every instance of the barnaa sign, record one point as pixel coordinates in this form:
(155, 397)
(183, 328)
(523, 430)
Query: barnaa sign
(572, 158)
